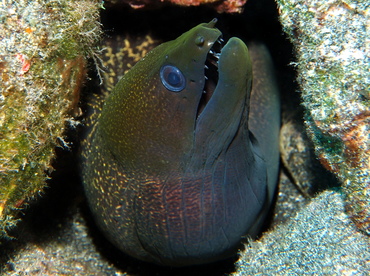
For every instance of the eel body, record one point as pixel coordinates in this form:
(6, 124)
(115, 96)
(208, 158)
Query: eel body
(179, 167)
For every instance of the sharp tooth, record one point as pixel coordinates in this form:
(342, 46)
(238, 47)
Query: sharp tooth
(206, 77)
(220, 40)
(217, 55)
(205, 66)
(204, 92)
(211, 52)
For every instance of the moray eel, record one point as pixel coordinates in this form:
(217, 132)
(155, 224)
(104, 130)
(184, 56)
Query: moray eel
(179, 167)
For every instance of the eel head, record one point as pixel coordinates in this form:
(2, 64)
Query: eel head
(180, 105)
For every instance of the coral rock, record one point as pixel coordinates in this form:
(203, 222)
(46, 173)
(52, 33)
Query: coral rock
(333, 64)
(43, 54)
(228, 6)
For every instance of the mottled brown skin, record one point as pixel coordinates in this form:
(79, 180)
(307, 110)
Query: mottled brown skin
(172, 188)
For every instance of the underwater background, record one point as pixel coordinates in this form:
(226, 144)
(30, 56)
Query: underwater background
(53, 56)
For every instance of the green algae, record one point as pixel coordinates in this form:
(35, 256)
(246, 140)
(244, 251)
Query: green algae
(43, 59)
(333, 68)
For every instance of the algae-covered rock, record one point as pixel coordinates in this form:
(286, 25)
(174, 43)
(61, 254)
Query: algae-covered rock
(44, 48)
(332, 47)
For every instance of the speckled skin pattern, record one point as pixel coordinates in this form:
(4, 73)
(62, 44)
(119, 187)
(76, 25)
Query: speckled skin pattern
(175, 188)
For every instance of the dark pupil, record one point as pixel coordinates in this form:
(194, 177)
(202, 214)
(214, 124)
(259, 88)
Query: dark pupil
(173, 78)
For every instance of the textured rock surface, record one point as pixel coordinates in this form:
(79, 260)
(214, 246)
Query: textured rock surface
(43, 51)
(228, 6)
(319, 240)
(333, 63)
(298, 156)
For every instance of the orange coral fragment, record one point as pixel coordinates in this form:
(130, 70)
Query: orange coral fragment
(29, 30)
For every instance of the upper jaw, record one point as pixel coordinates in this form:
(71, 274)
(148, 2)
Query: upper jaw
(210, 73)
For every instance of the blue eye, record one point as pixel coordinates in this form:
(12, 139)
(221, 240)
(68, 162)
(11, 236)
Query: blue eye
(172, 78)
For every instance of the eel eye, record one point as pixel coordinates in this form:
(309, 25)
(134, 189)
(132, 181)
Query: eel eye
(172, 78)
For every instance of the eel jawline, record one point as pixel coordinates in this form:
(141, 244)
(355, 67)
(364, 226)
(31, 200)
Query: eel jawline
(217, 124)
(210, 74)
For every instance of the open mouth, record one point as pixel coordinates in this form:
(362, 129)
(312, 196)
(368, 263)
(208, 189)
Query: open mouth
(210, 74)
